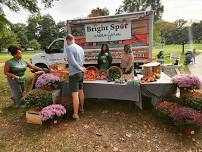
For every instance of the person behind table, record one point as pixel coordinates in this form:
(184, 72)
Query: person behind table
(104, 57)
(160, 57)
(75, 56)
(15, 69)
(127, 60)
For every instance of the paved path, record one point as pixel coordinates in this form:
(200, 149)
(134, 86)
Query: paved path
(197, 68)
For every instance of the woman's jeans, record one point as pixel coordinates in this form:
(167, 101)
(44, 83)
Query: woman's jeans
(17, 90)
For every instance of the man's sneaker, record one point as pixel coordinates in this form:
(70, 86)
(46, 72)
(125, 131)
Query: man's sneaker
(75, 116)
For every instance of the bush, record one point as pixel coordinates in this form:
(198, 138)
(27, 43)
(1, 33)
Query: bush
(38, 98)
(34, 44)
(163, 111)
(193, 101)
(186, 118)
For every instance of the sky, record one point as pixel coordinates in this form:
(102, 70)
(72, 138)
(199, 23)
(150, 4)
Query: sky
(63, 10)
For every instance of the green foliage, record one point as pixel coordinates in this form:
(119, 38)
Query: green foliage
(7, 37)
(33, 27)
(157, 32)
(20, 30)
(43, 29)
(197, 32)
(162, 115)
(177, 32)
(30, 5)
(189, 101)
(47, 30)
(34, 44)
(142, 5)
(3, 21)
(37, 98)
(175, 36)
(99, 12)
(61, 27)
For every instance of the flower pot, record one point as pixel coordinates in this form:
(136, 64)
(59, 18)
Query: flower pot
(188, 132)
(184, 92)
(53, 122)
(48, 88)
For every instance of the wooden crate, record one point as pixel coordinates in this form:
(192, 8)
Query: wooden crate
(150, 68)
(33, 117)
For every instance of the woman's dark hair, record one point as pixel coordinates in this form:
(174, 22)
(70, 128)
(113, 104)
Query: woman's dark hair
(13, 49)
(128, 48)
(107, 48)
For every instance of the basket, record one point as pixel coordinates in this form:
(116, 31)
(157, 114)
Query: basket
(103, 73)
(59, 70)
(63, 75)
(58, 67)
(91, 73)
(115, 72)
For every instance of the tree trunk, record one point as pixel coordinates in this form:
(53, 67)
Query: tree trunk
(183, 48)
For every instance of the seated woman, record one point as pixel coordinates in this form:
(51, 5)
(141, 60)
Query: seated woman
(104, 57)
(15, 69)
(160, 57)
(127, 61)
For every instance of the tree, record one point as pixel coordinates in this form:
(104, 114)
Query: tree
(197, 32)
(44, 29)
(21, 32)
(142, 5)
(30, 5)
(7, 37)
(3, 21)
(33, 27)
(180, 23)
(176, 36)
(164, 28)
(99, 12)
(61, 28)
(34, 44)
(157, 32)
(47, 30)
(16, 5)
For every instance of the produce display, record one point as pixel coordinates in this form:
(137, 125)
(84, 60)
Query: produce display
(152, 78)
(151, 72)
(91, 73)
(115, 73)
(59, 70)
(102, 75)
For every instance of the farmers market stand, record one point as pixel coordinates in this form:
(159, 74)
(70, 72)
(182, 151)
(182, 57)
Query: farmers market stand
(131, 91)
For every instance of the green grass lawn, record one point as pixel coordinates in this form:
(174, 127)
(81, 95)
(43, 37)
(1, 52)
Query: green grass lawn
(169, 49)
(4, 56)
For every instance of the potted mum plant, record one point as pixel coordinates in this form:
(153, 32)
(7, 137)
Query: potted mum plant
(37, 98)
(52, 112)
(186, 83)
(47, 82)
(187, 120)
(163, 111)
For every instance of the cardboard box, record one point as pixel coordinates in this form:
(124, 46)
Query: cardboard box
(34, 117)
